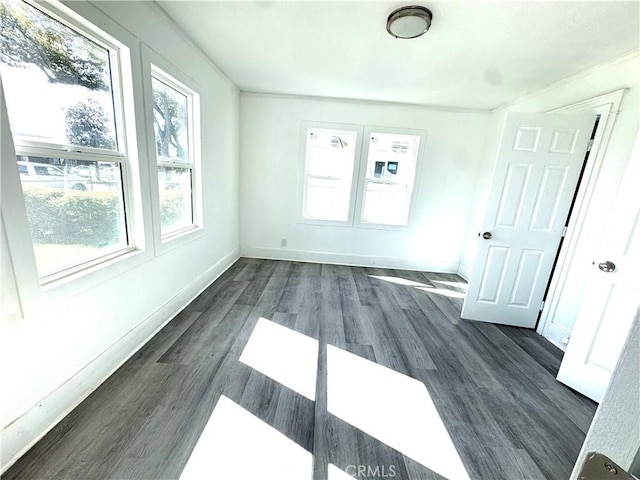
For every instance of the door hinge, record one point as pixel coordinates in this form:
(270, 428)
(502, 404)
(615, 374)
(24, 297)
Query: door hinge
(590, 145)
(564, 231)
(541, 305)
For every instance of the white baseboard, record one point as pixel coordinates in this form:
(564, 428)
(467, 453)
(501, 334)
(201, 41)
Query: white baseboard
(21, 434)
(464, 272)
(348, 259)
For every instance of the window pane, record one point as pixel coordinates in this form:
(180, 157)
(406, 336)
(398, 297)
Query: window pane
(72, 218)
(386, 204)
(391, 168)
(176, 211)
(327, 199)
(330, 156)
(57, 82)
(170, 121)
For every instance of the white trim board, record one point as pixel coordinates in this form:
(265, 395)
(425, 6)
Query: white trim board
(25, 431)
(607, 105)
(348, 259)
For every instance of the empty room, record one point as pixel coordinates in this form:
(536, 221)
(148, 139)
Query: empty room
(320, 240)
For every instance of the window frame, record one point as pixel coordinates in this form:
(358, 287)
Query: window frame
(362, 180)
(154, 65)
(120, 156)
(34, 297)
(358, 184)
(302, 184)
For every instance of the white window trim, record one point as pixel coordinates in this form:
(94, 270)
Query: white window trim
(368, 130)
(33, 295)
(302, 175)
(30, 147)
(154, 65)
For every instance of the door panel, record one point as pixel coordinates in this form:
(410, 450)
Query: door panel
(612, 296)
(548, 198)
(537, 170)
(493, 274)
(512, 196)
(526, 278)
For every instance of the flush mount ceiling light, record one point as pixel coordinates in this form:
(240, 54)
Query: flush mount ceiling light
(409, 22)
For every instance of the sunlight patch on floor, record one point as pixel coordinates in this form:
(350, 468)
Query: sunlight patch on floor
(392, 407)
(427, 288)
(284, 355)
(236, 444)
(400, 281)
(443, 291)
(337, 474)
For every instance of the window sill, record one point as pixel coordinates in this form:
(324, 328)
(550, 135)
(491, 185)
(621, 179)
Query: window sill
(178, 238)
(73, 273)
(183, 232)
(382, 226)
(36, 297)
(324, 223)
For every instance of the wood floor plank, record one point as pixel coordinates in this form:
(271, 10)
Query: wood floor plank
(493, 387)
(576, 407)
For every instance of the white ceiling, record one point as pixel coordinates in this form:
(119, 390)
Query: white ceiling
(477, 55)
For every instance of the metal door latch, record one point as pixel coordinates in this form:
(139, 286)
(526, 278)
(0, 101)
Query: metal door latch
(600, 467)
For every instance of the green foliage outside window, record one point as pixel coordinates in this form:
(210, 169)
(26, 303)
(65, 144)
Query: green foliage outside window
(58, 216)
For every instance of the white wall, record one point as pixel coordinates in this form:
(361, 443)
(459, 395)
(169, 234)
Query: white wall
(271, 166)
(622, 73)
(615, 430)
(65, 348)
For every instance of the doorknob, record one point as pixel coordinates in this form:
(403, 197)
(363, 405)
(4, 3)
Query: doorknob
(607, 266)
(487, 235)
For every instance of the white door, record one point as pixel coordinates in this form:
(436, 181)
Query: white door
(538, 166)
(612, 295)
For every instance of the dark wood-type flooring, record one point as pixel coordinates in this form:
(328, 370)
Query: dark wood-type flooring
(493, 386)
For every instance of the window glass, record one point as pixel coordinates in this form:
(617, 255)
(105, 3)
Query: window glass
(390, 175)
(176, 210)
(57, 81)
(170, 121)
(330, 159)
(72, 218)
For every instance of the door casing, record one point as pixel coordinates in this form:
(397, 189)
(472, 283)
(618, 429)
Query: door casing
(568, 281)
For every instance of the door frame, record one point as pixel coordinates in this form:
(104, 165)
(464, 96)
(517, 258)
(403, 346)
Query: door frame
(607, 106)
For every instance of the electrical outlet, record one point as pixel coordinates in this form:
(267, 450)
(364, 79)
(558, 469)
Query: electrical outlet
(283, 242)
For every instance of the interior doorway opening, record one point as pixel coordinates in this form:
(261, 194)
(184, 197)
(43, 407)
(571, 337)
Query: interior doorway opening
(571, 209)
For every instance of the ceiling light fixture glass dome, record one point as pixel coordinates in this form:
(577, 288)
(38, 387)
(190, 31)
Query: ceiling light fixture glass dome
(409, 22)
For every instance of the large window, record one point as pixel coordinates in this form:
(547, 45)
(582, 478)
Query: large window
(377, 185)
(62, 91)
(173, 121)
(389, 179)
(330, 159)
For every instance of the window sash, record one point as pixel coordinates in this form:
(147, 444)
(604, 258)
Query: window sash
(402, 188)
(89, 31)
(50, 271)
(348, 181)
(169, 81)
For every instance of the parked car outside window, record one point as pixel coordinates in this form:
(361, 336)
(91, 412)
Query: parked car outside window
(42, 175)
